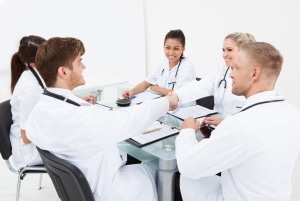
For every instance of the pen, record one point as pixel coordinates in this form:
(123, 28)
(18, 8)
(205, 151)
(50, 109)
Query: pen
(99, 92)
(132, 97)
(95, 98)
(151, 130)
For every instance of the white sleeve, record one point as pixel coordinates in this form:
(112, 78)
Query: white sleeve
(198, 89)
(156, 74)
(186, 73)
(223, 150)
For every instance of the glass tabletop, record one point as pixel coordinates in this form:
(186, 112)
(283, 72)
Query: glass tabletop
(162, 150)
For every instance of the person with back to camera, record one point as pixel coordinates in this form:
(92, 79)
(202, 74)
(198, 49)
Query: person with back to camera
(26, 88)
(255, 149)
(217, 82)
(86, 135)
(172, 72)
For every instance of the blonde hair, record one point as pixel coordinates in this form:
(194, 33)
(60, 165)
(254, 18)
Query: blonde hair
(241, 38)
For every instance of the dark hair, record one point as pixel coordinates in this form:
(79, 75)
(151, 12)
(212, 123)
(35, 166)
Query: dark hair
(176, 34)
(25, 55)
(54, 53)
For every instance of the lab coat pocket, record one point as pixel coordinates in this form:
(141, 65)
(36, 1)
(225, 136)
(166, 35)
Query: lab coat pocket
(28, 152)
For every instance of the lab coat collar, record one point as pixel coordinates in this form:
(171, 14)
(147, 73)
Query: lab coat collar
(262, 96)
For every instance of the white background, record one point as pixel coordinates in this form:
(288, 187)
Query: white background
(109, 42)
(206, 23)
(112, 31)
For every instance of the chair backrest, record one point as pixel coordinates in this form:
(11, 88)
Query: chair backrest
(5, 124)
(70, 183)
(207, 101)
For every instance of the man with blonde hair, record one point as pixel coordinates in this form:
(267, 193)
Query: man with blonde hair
(254, 149)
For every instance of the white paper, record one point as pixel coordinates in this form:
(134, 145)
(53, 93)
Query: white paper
(165, 131)
(195, 111)
(146, 95)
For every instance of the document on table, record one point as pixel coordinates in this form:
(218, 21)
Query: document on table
(145, 95)
(195, 111)
(157, 131)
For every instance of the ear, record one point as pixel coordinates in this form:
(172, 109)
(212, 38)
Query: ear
(32, 65)
(62, 72)
(256, 72)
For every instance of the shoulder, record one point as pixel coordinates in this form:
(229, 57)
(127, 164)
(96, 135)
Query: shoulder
(26, 79)
(27, 74)
(187, 62)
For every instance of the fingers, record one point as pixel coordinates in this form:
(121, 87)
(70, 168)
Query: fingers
(127, 94)
(91, 99)
(173, 100)
(213, 120)
(191, 123)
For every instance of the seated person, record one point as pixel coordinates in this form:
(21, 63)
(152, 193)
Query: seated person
(173, 71)
(255, 149)
(26, 88)
(217, 82)
(86, 135)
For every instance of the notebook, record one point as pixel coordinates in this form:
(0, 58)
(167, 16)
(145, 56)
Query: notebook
(195, 111)
(157, 131)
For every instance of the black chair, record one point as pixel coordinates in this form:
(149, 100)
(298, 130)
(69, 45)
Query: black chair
(6, 149)
(207, 101)
(70, 183)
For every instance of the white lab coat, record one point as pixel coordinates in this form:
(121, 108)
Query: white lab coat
(255, 150)
(164, 78)
(225, 102)
(26, 94)
(87, 136)
(296, 181)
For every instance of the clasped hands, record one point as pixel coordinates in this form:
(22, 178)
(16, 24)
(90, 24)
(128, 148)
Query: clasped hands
(173, 101)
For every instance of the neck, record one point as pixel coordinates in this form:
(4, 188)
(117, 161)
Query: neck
(173, 64)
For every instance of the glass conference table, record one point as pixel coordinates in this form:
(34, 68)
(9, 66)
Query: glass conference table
(159, 155)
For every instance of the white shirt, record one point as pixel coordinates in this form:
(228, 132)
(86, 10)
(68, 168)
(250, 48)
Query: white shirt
(177, 76)
(87, 136)
(26, 94)
(255, 150)
(225, 102)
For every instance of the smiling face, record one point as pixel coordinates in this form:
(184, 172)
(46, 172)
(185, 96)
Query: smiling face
(230, 51)
(173, 50)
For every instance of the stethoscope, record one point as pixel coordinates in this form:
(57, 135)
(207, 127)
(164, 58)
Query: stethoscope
(59, 97)
(37, 77)
(48, 93)
(174, 82)
(223, 81)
